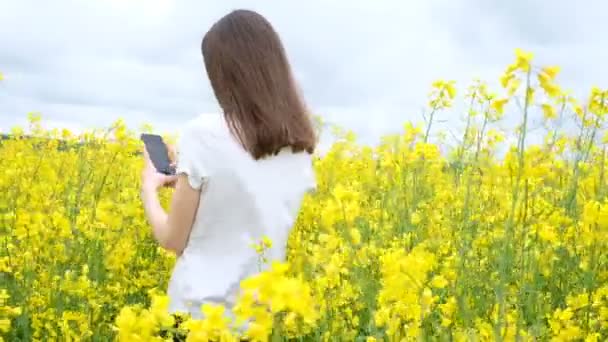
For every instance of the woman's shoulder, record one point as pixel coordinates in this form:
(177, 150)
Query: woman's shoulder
(200, 142)
(205, 129)
(206, 123)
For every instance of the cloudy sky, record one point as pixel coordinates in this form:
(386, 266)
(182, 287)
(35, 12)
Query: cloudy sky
(366, 65)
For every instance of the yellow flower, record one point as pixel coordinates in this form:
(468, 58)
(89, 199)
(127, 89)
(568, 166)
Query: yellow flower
(598, 101)
(442, 94)
(5, 325)
(499, 104)
(439, 282)
(548, 233)
(513, 86)
(267, 242)
(506, 78)
(416, 219)
(355, 236)
(549, 111)
(451, 90)
(545, 79)
(447, 310)
(530, 95)
(402, 240)
(551, 72)
(523, 60)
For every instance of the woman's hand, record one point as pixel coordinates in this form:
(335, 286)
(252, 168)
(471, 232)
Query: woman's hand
(152, 179)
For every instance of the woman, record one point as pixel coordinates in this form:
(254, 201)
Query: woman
(239, 178)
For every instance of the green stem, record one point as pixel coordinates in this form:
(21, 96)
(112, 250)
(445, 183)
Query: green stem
(600, 184)
(507, 253)
(428, 128)
(466, 130)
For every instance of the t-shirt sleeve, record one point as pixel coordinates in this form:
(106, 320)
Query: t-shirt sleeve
(193, 157)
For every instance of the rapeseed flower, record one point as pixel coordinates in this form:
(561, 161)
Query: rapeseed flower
(491, 238)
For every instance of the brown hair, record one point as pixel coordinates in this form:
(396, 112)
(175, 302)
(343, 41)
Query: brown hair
(253, 83)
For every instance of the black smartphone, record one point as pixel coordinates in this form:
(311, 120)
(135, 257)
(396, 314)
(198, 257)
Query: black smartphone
(158, 152)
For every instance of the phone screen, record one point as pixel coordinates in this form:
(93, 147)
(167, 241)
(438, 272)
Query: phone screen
(158, 152)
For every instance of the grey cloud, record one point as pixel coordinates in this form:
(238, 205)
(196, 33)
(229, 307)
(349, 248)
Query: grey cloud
(530, 22)
(81, 56)
(365, 65)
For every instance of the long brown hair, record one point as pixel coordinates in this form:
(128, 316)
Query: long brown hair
(253, 83)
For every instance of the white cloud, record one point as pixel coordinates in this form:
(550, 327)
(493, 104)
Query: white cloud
(366, 65)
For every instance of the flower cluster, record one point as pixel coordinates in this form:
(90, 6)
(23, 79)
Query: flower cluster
(499, 234)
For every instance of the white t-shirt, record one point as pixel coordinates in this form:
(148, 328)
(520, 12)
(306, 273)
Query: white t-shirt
(242, 200)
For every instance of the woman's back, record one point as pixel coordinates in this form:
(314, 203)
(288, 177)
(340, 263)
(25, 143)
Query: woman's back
(247, 169)
(242, 201)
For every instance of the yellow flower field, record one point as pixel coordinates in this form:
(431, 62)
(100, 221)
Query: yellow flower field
(418, 238)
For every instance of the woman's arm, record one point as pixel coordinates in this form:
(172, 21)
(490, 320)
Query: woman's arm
(172, 229)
